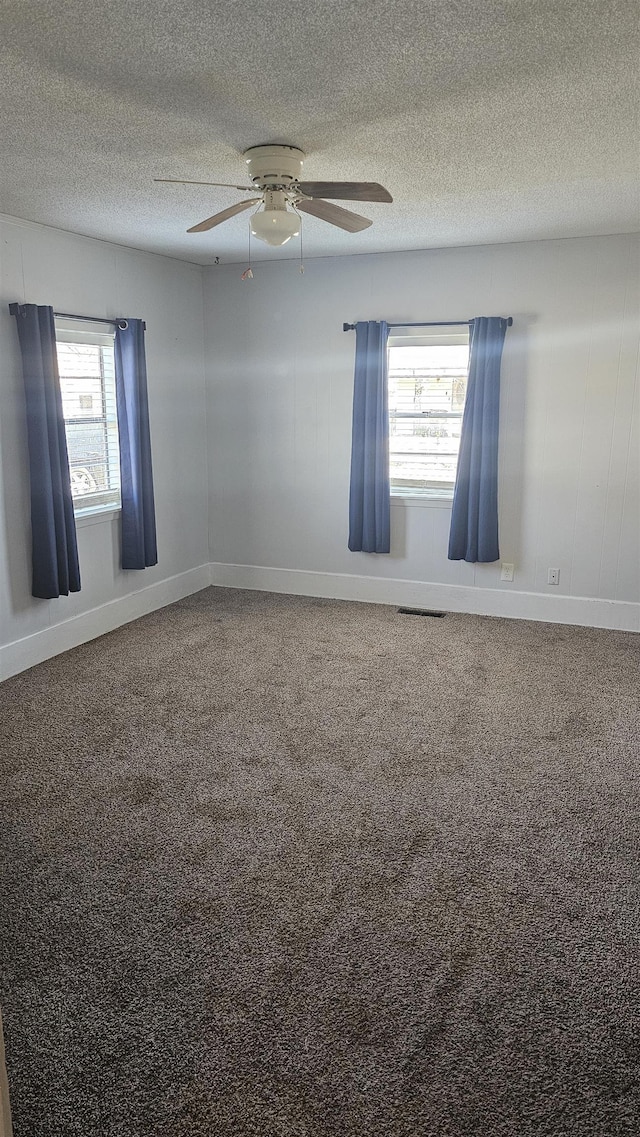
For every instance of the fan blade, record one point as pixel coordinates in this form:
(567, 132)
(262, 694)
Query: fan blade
(218, 218)
(181, 182)
(346, 191)
(343, 218)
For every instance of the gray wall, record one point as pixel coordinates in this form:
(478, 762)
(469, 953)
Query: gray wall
(280, 390)
(76, 274)
(261, 450)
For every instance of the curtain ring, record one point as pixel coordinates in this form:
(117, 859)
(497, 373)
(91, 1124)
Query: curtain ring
(123, 325)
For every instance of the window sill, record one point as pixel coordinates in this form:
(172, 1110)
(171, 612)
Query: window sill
(422, 501)
(96, 516)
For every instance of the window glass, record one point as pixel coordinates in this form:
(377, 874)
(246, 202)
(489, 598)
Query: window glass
(87, 384)
(427, 390)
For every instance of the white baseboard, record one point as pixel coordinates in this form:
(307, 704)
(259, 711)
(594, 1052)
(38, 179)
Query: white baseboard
(26, 652)
(584, 610)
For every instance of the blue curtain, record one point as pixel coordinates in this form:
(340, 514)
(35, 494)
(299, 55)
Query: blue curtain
(136, 478)
(474, 519)
(54, 551)
(369, 496)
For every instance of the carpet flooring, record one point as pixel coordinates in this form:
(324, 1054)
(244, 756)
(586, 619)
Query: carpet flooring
(286, 867)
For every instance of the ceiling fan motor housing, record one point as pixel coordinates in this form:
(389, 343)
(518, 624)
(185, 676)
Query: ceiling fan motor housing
(274, 165)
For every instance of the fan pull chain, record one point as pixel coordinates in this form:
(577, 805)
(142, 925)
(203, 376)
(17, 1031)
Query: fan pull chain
(248, 272)
(301, 268)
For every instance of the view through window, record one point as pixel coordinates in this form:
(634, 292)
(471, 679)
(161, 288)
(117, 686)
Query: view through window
(87, 383)
(427, 389)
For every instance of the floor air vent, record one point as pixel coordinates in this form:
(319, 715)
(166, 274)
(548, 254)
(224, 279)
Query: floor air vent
(419, 612)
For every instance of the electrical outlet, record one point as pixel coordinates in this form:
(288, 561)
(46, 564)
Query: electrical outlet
(507, 572)
(553, 576)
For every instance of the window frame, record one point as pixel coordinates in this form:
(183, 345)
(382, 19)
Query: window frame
(435, 493)
(103, 504)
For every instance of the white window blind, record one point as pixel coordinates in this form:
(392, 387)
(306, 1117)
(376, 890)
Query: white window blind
(427, 390)
(87, 382)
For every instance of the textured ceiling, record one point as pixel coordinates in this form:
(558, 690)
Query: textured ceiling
(492, 121)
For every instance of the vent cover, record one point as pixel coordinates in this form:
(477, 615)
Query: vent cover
(419, 612)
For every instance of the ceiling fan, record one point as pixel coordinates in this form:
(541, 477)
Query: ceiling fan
(275, 171)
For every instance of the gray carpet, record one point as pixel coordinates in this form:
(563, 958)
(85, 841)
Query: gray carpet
(287, 867)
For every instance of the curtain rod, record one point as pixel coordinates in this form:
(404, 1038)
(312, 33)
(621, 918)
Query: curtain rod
(429, 324)
(89, 319)
(121, 323)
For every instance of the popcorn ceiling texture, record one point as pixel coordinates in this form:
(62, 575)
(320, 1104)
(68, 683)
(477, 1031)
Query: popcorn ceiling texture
(288, 867)
(500, 121)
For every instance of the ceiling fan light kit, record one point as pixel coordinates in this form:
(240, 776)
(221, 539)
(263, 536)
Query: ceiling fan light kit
(276, 172)
(274, 224)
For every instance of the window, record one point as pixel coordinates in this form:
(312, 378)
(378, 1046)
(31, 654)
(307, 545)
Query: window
(87, 382)
(427, 389)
